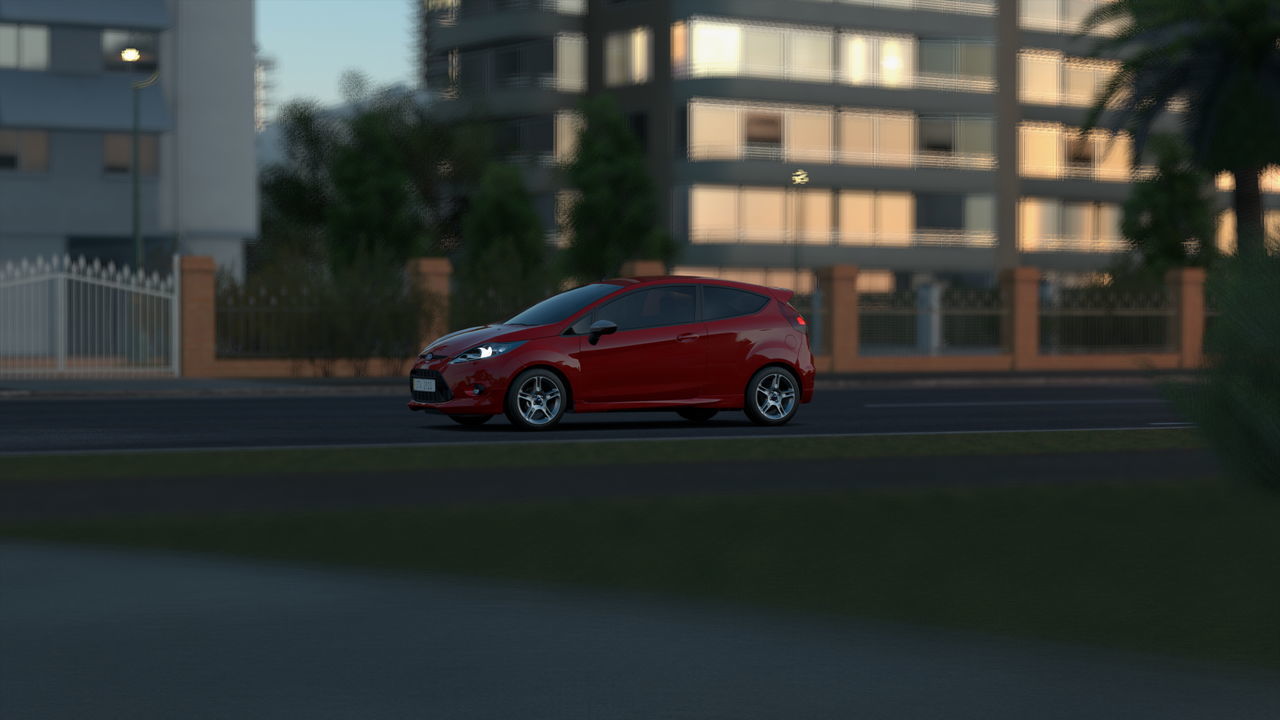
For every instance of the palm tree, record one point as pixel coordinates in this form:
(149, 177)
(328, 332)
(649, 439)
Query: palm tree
(1221, 59)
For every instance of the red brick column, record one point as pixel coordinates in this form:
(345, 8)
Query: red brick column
(199, 334)
(1022, 329)
(432, 275)
(1186, 287)
(839, 322)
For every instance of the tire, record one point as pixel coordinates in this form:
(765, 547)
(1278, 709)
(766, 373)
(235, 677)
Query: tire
(471, 420)
(536, 400)
(772, 396)
(697, 415)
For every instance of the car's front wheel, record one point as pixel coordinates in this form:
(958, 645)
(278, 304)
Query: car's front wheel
(470, 420)
(536, 400)
(773, 396)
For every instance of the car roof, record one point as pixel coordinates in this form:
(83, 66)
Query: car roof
(782, 294)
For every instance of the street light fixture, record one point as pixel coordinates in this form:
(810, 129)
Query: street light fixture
(133, 55)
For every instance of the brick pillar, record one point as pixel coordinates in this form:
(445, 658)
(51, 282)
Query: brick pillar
(199, 334)
(643, 268)
(840, 315)
(431, 275)
(1022, 329)
(1186, 288)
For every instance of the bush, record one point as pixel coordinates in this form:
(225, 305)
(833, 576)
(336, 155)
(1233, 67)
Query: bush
(1238, 405)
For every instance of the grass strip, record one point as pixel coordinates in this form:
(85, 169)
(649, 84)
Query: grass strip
(552, 453)
(1185, 569)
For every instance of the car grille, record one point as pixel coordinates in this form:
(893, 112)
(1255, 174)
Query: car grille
(441, 394)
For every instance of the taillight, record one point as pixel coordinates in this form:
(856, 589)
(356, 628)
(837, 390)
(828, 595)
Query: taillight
(794, 317)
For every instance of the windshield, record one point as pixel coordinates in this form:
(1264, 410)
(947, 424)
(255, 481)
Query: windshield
(560, 307)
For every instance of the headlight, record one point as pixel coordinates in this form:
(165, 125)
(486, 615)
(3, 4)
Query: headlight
(487, 350)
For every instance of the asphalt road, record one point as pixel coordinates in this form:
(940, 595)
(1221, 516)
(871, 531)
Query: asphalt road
(62, 424)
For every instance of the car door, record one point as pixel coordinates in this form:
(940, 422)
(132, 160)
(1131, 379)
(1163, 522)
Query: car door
(657, 354)
(735, 326)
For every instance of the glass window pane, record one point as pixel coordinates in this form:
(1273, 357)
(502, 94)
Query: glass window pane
(716, 49)
(856, 56)
(641, 55)
(722, 302)
(809, 136)
(33, 41)
(857, 138)
(568, 127)
(939, 211)
(1080, 85)
(813, 216)
(895, 218)
(1038, 223)
(937, 57)
(8, 45)
(937, 135)
(811, 55)
(976, 136)
(857, 218)
(1110, 216)
(1040, 151)
(1078, 222)
(713, 132)
(763, 215)
(763, 52)
(1039, 78)
(679, 47)
(896, 139)
(713, 214)
(116, 153)
(617, 65)
(35, 150)
(9, 154)
(980, 213)
(571, 63)
(149, 154)
(976, 59)
(897, 63)
(1074, 13)
(1040, 14)
(762, 134)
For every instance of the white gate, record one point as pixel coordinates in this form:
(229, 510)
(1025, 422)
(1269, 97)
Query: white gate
(72, 318)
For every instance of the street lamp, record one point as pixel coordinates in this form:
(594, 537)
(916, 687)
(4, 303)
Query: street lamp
(133, 55)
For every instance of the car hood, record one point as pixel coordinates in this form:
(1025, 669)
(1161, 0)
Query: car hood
(463, 340)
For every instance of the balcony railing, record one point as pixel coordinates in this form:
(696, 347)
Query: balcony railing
(926, 81)
(922, 159)
(1072, 243)
(971, 7)
(919, 238)
(449, 13)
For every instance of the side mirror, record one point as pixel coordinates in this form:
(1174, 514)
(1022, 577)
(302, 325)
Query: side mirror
(600, 328)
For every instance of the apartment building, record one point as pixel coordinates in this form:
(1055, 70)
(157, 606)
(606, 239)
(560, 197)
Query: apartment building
(66, 128)
(916, 139)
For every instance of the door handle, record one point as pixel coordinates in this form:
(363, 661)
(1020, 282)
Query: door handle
(687, 337)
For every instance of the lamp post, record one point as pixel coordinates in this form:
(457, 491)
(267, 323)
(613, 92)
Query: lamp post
(133, 55)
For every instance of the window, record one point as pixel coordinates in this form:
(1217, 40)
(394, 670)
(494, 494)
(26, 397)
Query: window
(763, 134)
(728, 49)
(1072, 226)
(716, 49)
(568, 127)
(1040, 150)
(628, 57)
(809, 136)
(938, 135)
(24, 150)
(876, 218)
(24, 47)
(810, 55)
(115, 42)
(571, 63)
(713, 214)
(560, 307)
(764, 215)
(1039, 77)
(763, 51)
(870, 59)
(812, 221)
(117, 153)
(656, 307)
(722, 302)
(713, 132)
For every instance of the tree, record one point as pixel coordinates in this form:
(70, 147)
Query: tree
(502, 265)
(1169, 219)
(615, 216)
(1222, 57)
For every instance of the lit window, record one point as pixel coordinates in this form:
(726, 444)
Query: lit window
(628, 57)
(764, 215)
(762, 48)
(24, 47)
(809, 136)
(568, 127)
(810, 55)
(713, 214)
(115, 42)
(812, 222)
(571, 62)
(716, 49)
(869, 59)
(24, 150)
(1040, 150)
(713, 132)
(117, 153)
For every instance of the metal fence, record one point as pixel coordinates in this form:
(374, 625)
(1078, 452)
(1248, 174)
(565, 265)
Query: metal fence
(887, 323)
(973, 320)
(932, 320)
(1108, 320)
(64, 317)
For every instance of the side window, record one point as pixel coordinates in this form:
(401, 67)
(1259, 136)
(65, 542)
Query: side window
(655, 307)
(722, 302)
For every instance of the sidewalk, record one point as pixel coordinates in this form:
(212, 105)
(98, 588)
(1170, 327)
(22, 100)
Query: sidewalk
(320, 387)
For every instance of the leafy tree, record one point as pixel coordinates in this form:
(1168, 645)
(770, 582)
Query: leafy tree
(1169, 219)
(615, 216)
(503, 265)
(1223, 58)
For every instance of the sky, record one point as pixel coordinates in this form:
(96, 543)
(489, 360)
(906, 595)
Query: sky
(315, 41)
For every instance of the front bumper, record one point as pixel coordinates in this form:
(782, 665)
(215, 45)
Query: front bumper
(462, 389)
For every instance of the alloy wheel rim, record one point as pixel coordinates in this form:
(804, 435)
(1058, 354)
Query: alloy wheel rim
(538, 400)
(775, 395)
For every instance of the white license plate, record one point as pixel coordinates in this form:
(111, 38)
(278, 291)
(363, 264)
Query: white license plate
(424, 385)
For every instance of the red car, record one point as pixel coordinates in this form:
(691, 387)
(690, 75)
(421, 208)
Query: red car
(692, 345)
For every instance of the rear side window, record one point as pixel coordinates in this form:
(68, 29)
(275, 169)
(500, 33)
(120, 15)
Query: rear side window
(723, 302)
(655, 307)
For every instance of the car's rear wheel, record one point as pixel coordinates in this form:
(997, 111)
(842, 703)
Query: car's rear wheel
(471, 420)
(773, 396)
(697, 415)
(536, 400)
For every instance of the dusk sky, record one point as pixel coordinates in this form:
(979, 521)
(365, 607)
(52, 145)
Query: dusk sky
(315, 41)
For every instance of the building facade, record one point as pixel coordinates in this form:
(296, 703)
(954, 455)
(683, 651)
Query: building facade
(66, 129)
(915, 139)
